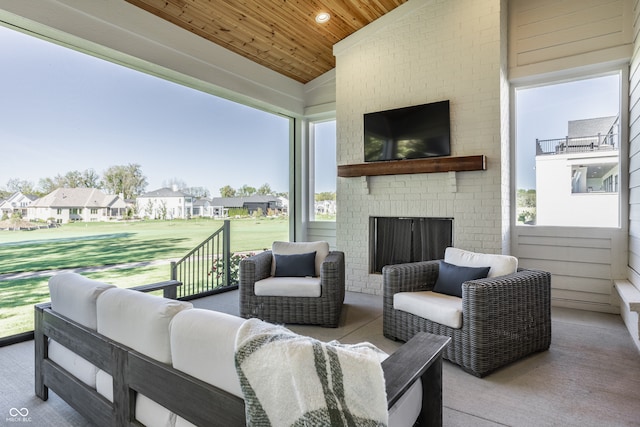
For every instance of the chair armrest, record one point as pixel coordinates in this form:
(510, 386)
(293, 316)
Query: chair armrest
(511, 302)
(419, 359)
(409, 277)
(332, 274)
(254, 268)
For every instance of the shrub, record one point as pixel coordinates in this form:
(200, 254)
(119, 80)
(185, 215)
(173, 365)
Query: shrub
(218, 268)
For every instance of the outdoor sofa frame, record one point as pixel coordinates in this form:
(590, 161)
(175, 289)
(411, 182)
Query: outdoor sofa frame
(196, 401)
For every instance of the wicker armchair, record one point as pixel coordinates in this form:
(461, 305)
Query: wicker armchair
(503, 318)
(323, 310)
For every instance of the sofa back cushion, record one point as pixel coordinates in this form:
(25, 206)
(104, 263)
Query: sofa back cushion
(500, 265)
(203, 346)
(139, 320)
(295, 248)
(74, 296)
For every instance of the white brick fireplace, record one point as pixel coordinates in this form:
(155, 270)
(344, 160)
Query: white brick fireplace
(426, 51)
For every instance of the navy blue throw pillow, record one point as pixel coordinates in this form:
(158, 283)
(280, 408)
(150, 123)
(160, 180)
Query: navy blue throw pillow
(297, 265)
(451, 277)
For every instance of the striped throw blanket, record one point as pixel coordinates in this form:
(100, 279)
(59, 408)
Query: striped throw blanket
(293, 380)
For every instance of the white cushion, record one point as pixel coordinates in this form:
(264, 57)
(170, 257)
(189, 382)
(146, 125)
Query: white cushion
(150, 414)
(288, 287)
(139, 320)
(406, 410)
(500, 264)
(202, 345)
(291, 248)
(74, 296)
(439, 308)
(74, 364)
(104, 385)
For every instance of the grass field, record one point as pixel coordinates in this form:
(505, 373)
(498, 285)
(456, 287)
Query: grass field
(100, 244)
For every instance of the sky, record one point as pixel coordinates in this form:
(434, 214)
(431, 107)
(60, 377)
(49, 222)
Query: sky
(62, 110)
(544, 112)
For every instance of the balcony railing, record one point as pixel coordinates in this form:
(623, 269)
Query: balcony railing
(207, 268)
(582, 144)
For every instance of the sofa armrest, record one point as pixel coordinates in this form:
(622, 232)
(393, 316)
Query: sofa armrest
(409, 277)
(509, 305)
(253, 269)
(419, 359)
(332, 275)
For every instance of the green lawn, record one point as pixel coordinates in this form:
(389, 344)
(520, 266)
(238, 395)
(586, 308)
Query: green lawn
(99, 244)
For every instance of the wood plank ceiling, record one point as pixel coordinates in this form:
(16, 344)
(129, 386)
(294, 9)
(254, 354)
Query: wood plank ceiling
(279, 34)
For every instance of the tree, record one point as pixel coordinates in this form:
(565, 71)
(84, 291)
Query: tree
(227, 191)
(325, 195)
(526, 198)
(47, 185)
(245, 190)
(126, 180)
(265, 190)
(15, 185)
(197, 192)
(175, 184)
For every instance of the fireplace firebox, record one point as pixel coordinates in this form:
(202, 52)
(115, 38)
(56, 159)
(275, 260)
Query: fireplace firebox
(397, 240)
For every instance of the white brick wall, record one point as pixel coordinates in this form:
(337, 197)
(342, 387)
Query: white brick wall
(443, 50)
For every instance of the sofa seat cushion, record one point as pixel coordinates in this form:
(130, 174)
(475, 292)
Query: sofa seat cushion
(74, 296)
(203, 346)
(500, 265)
(148, 412)
(293, 248)
(139, 320)
(439, 308)
(72, 363)
(288, 287)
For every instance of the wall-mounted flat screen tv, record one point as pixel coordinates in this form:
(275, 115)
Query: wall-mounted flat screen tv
(412, 132)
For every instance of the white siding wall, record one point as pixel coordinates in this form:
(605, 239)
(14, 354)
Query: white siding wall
(424, 51)
(549, 35)
(634, 154)
(549, 39)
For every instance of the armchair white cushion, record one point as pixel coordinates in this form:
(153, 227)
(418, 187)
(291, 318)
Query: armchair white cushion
(440, 308)
(288, 287)
(501, 265)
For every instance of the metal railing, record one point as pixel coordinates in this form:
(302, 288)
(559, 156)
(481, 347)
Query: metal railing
(580, 144)
(206, 269)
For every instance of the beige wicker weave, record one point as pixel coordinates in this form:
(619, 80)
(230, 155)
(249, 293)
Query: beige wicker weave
(324, 310)
(503, 318)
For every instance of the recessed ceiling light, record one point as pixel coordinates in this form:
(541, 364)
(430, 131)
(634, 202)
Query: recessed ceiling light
(322, 17)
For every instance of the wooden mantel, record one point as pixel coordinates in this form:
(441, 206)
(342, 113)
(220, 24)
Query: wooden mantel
(399, 167)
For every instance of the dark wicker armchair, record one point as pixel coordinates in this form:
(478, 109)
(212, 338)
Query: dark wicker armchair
(503, 318)
(322, 310)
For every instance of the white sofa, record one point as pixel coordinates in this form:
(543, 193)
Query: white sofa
(118, 355)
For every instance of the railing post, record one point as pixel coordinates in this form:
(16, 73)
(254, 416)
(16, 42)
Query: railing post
(174, 273)
(226, 251)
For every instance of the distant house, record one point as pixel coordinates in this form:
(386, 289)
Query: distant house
(251, 203)
(77, 204)
(579, 173)
(165, 203)
(204, 208)
(16, 203)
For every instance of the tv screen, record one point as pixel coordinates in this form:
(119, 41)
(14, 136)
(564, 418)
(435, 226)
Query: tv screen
(407, 133)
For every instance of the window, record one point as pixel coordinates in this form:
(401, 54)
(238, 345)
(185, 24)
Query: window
(325, 170)
(568, 153)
